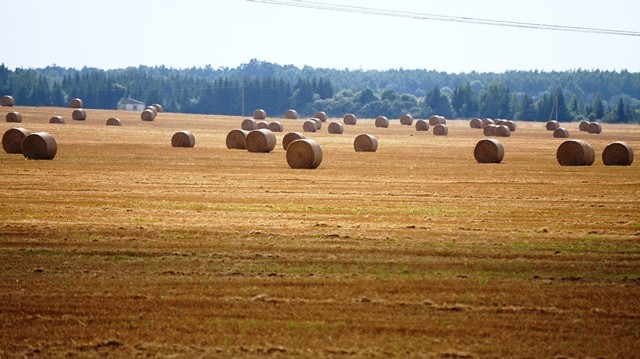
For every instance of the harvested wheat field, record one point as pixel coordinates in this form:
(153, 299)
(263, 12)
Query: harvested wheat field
(124, 246)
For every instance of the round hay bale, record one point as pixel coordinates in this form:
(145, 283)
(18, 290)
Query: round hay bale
(56, 119)
(249, 124)
(183, 138)
(158, 107)
(475, 123)
(304, 154)
(561, 132)
(152, 108)
(487, 121)
(236, 139)
(7, 101)
(290, 137)
(114, 122)
(148, 115)
(76, 103)
(584, 126)
(317, 121)
(262, 125)
(365, 143)
(488, 150)
(617, 154)
(261, 140)
(437, 120)
(594, 127)
(39, 146)
(350, 119)
(512, 125)
(489, 130)
(422, 125)
(291, 114)
(79, 114)
(275, 126)
(310, 126)
(502, 131)
(382, 121)
(259, 114)
(14, 117)
(335, 128)
(552, 125)
(12, 139)
(321, 115)
(575, 153)
(440, 130)
(406, 120)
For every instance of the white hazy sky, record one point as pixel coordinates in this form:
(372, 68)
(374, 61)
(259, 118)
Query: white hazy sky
(227, 33)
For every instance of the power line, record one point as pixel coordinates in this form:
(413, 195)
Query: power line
(434, 17)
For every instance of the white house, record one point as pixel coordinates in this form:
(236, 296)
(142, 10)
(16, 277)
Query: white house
(133, 105)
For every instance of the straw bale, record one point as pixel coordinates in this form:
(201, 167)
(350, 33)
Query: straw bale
(382, 121)
(14, 116)
(261, 140)
(365, 143)
(183, 138)
(350, 119)
(575, 153)
(236, 139)
(488, 150)
(406, 119)
(39, 146)
(12, 139)
(617, 154)
(290, 137)
(422, 125)
(304, 154)
(335, 128)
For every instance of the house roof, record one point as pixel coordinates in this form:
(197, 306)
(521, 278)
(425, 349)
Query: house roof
(130, 101)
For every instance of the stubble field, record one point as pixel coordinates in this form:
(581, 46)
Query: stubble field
(124, 246)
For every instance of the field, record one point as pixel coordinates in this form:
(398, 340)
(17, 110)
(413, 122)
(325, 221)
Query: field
(124, 246)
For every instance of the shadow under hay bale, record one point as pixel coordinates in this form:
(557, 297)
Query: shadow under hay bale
(321, 115)
(488, 150)
(406, 120)
(236, 139)
(381, 121)
(617, 154)
(552, 125)
(249, 124)
(475, 123)
(76, 103)
(291, 114)
(14, 117)
(290, 137)
(365, 143)
(275, 126)
(260, 141)
(594, 128)
(350, 119)
(183, 138)
(422, 125)
(7, 101)
(561, 132)
(79, 114)
(114, 122)
(12, 139)
(335, 128)
(309, 126)
(440, 130)
(57, 119)
(259, 114)
(148, 115)
(304, 154)
(575, 153)
(39, 146)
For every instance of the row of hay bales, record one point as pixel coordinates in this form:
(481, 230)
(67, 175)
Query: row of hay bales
(562, 132)
(495, 128)
(151, 112)
(34, 146)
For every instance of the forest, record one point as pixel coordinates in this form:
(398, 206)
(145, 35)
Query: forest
(608, 96)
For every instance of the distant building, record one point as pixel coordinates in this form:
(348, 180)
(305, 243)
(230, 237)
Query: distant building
(133, 105)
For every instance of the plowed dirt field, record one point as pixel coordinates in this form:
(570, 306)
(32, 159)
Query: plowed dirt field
(123, 246)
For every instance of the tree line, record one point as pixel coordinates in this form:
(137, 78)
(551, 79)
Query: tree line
(611, 96)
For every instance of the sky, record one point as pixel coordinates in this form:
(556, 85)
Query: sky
(227, 33)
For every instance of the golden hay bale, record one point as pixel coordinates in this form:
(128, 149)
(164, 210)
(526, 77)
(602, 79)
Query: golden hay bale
(317, 121)
(183, 138)
(437, 120)
(56, 119)
(12, 139)
(262, 125)
(114, 122)
(158, 107)
(365, 143)
(594, 127)
(148, 115)
(291, 114)
(321, 115)
(488, 150)
(350, 119)
(275, 126)
(489, 130)
(290, 137)
(249, 124)
(14, 117)
(575, 153)
(502, 131)
(382, 121)
(39, 146)
(236, 139)
(487, 121)
(304, 154)
(475, 123)
(7, 101)
(76, 103)
(335, 128)
(422, 125)
(617, 154)
(440, 130)
(552, 125)
(561, 132)
(261, 140)
(584, 126)
(79, 114)
(310, 126)
(512, 125)
(406, 120)
(259, 114)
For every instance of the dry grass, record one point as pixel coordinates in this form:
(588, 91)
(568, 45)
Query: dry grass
(123, 246)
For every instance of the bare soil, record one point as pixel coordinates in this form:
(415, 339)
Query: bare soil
(124, 246)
